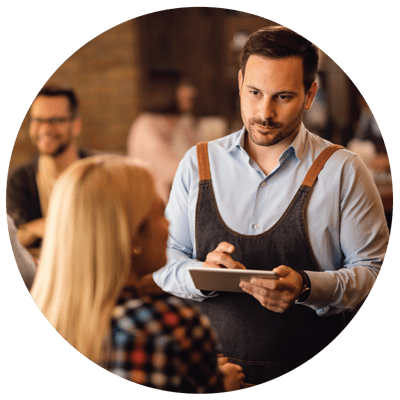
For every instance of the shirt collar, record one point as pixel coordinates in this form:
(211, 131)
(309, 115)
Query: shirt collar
(296, 147)
(238, 141)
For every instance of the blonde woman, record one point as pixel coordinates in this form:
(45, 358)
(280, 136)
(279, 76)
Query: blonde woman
(105, 230)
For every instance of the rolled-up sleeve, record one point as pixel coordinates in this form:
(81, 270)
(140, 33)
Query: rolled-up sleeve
(174, 277)
(364, 238)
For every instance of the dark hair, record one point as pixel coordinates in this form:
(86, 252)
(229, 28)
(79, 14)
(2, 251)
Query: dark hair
(56, 91)
(161, 96)
(280, 42)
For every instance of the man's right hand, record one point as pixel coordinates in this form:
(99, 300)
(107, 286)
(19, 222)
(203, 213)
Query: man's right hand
(221, 258)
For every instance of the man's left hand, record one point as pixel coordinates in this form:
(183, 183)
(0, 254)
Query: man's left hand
(276, 295)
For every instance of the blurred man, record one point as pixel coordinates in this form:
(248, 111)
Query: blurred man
(53, 128)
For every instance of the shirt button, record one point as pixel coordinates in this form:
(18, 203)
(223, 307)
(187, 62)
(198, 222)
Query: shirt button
(264, 184)
(255, 226)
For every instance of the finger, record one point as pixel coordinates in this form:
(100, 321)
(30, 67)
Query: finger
(224, 260)
(222, 360)
(225, 247)
(268, 299)
(275, 290)
(228, 265)
(234, 367)
(239, 265)
(282, 270)
(275, 305)
(207, 264)
(255, 289)
(270, 284)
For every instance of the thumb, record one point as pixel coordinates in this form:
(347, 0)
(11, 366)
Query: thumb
(222, 361)
(282, 271)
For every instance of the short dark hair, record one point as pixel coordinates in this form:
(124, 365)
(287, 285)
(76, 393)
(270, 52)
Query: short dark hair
(162, 88)
(53, 90)
(280, 42)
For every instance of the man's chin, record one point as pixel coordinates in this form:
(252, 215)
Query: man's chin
(265, 138)
(53, 152)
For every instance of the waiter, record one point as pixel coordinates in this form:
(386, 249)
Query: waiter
(274, 196)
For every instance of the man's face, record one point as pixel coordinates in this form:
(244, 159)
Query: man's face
(52, 128)
(273, 98)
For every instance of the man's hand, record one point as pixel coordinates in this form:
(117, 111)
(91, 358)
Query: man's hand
(276, 295)
(221, 258)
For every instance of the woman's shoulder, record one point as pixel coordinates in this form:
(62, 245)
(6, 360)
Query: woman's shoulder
(159, 316)
(160, 342)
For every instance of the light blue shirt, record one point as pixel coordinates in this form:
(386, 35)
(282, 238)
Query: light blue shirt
(345, 218)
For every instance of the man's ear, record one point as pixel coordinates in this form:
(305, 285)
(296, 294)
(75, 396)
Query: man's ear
(240, 80)
(310, 95)
(76, 126)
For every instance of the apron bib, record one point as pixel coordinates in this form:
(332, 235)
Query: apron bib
(266, 344)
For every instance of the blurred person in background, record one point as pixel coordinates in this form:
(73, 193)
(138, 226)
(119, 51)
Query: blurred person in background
(367, 139)
(54, 125)
(166, 129)
(104, 231)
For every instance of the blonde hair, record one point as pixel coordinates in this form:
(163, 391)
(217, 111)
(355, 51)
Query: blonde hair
(96, 209)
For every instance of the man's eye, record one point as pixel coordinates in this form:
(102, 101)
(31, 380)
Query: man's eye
(254, 92)
(51, 121)
(284, 97)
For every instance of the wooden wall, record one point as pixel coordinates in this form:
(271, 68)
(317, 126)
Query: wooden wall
(111, 74)
(105, 74)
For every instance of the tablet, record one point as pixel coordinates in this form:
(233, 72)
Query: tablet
(224, 279)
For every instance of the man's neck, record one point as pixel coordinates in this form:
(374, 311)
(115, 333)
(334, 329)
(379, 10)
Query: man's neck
(267, 157)
(63, 160)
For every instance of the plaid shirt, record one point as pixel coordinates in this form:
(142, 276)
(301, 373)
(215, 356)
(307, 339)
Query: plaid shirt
(162, 343)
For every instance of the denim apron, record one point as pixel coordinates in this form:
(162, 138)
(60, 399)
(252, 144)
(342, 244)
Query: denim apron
(266, 344)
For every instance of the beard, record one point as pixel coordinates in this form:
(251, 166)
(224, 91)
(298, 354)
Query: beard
(278, 133)
(60, 149)
(63, 142)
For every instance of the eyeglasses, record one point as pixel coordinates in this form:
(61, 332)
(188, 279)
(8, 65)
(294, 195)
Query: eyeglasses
(51, 121)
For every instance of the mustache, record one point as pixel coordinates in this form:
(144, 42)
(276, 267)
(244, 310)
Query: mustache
(266, 123)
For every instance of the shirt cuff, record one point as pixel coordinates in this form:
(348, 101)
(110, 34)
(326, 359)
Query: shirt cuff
(199, 295)
(186, 289)
(322, 289)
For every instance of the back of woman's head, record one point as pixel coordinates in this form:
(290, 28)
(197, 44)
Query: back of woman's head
(96, 209)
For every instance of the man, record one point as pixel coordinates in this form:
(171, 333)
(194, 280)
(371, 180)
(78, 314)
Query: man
(163, 133)
(257, 199)
(53, 128)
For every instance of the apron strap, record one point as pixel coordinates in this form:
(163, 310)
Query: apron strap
(202, 159)
(204, 164)
(319, 164)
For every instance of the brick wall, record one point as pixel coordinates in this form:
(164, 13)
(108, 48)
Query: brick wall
(105, 74)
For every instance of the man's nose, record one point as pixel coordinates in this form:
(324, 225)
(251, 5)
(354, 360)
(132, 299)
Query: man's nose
(45, 127)
(267, 109)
